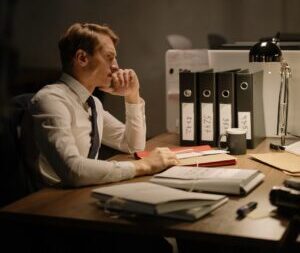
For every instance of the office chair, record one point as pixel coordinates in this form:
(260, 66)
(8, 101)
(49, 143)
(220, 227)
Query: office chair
(177, 41)
(215, 41)
(17, 180)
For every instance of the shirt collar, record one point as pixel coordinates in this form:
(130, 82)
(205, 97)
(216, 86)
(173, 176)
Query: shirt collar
(76, 86)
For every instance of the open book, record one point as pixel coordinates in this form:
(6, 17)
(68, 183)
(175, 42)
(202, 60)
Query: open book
(154, 199)
(202, 155)
(220, 180)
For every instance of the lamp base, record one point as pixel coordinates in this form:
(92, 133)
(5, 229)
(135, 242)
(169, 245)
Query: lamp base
(278, 146)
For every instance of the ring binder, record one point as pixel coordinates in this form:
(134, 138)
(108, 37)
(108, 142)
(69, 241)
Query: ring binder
(249, 104)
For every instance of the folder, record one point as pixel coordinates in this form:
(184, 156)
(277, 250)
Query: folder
(188, 109)
(285, 161)
(207, 133)
(249, 104)
(226, 101)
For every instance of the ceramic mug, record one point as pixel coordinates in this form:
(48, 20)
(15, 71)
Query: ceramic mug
(236, 142)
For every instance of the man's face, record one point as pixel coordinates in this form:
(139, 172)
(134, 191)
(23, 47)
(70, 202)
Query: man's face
(103, 63)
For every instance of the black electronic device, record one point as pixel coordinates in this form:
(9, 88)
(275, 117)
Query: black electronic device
(285, 197)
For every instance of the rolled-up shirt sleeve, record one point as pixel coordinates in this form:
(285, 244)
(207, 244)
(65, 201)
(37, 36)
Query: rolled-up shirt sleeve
(129, 137)
(52, 118)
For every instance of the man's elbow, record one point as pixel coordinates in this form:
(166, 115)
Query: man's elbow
(74, 177)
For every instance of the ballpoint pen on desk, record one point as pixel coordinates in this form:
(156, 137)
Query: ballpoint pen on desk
(244, 210)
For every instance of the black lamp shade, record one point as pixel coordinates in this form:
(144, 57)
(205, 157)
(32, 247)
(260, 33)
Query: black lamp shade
(266, 51)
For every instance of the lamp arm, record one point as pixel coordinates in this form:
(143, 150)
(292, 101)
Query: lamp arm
(283, 101)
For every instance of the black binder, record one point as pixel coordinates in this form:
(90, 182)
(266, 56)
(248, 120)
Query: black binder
(226, 101)
(249, 104)
(207, 112)
(188, 108)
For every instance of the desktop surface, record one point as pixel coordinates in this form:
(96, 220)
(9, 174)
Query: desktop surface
(76, 209)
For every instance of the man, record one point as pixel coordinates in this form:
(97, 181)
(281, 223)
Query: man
(70, 124)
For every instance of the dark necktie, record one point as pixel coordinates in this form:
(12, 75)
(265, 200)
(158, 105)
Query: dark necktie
(94, 134)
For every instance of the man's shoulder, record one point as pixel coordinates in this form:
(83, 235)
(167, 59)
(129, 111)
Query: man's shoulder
(55, 90)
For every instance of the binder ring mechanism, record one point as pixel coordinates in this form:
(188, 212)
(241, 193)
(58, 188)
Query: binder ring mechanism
(206, 93)
(187, 93)
(225, 93)
(244, 85)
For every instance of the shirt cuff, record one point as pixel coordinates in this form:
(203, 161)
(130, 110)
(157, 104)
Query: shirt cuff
(133, 109)
(127, 169)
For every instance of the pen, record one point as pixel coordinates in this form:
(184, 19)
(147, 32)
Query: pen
(244, 210)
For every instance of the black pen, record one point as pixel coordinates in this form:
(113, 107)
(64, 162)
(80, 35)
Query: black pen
(244, 210)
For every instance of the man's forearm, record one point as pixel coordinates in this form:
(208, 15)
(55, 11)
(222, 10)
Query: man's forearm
(133, 98)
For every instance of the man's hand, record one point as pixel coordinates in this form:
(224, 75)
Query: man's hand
(158, 160)
(125, 83)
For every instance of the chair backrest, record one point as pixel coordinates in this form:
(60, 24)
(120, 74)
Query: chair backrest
(215, 41)
(16, 179)
(178, 41)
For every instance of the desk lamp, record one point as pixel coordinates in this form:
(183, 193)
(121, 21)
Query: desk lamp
(269, 51)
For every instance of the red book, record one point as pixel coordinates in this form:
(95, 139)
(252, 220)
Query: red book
(212, 160)
(141, 154)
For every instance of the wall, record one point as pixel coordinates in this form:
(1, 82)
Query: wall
(143, 26)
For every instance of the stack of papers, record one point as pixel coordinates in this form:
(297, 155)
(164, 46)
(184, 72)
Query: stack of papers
(154, 199)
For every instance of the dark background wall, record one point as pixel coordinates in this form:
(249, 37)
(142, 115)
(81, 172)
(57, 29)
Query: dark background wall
(142, 27)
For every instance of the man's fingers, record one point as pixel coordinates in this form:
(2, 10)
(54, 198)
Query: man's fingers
(126, 78)
(120, 75)
(115, 81)
(163, 149)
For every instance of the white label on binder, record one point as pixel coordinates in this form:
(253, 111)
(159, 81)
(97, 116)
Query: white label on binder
(188, 122)
(225, 118)
(244, 122)
(207, 122)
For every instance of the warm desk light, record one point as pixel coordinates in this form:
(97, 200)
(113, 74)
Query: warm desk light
(269, 51)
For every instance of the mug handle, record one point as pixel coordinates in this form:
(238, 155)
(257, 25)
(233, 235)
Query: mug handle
(219, 142)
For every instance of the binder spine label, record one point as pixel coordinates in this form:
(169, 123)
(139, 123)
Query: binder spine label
(244, 122)
(207, 124)
(225, 118)
(188, 131)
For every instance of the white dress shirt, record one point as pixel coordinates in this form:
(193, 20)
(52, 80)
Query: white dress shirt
(62, 127)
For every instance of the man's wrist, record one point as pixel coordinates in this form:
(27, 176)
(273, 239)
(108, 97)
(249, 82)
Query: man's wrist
(142, 167)
(133, 98)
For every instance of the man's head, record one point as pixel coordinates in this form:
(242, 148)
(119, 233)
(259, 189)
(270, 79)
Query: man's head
(88, 47)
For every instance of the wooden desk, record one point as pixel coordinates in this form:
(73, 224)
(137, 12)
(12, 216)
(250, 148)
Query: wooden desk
(74, 208)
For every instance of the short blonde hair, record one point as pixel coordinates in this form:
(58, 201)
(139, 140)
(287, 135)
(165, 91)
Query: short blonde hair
(82, 36)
